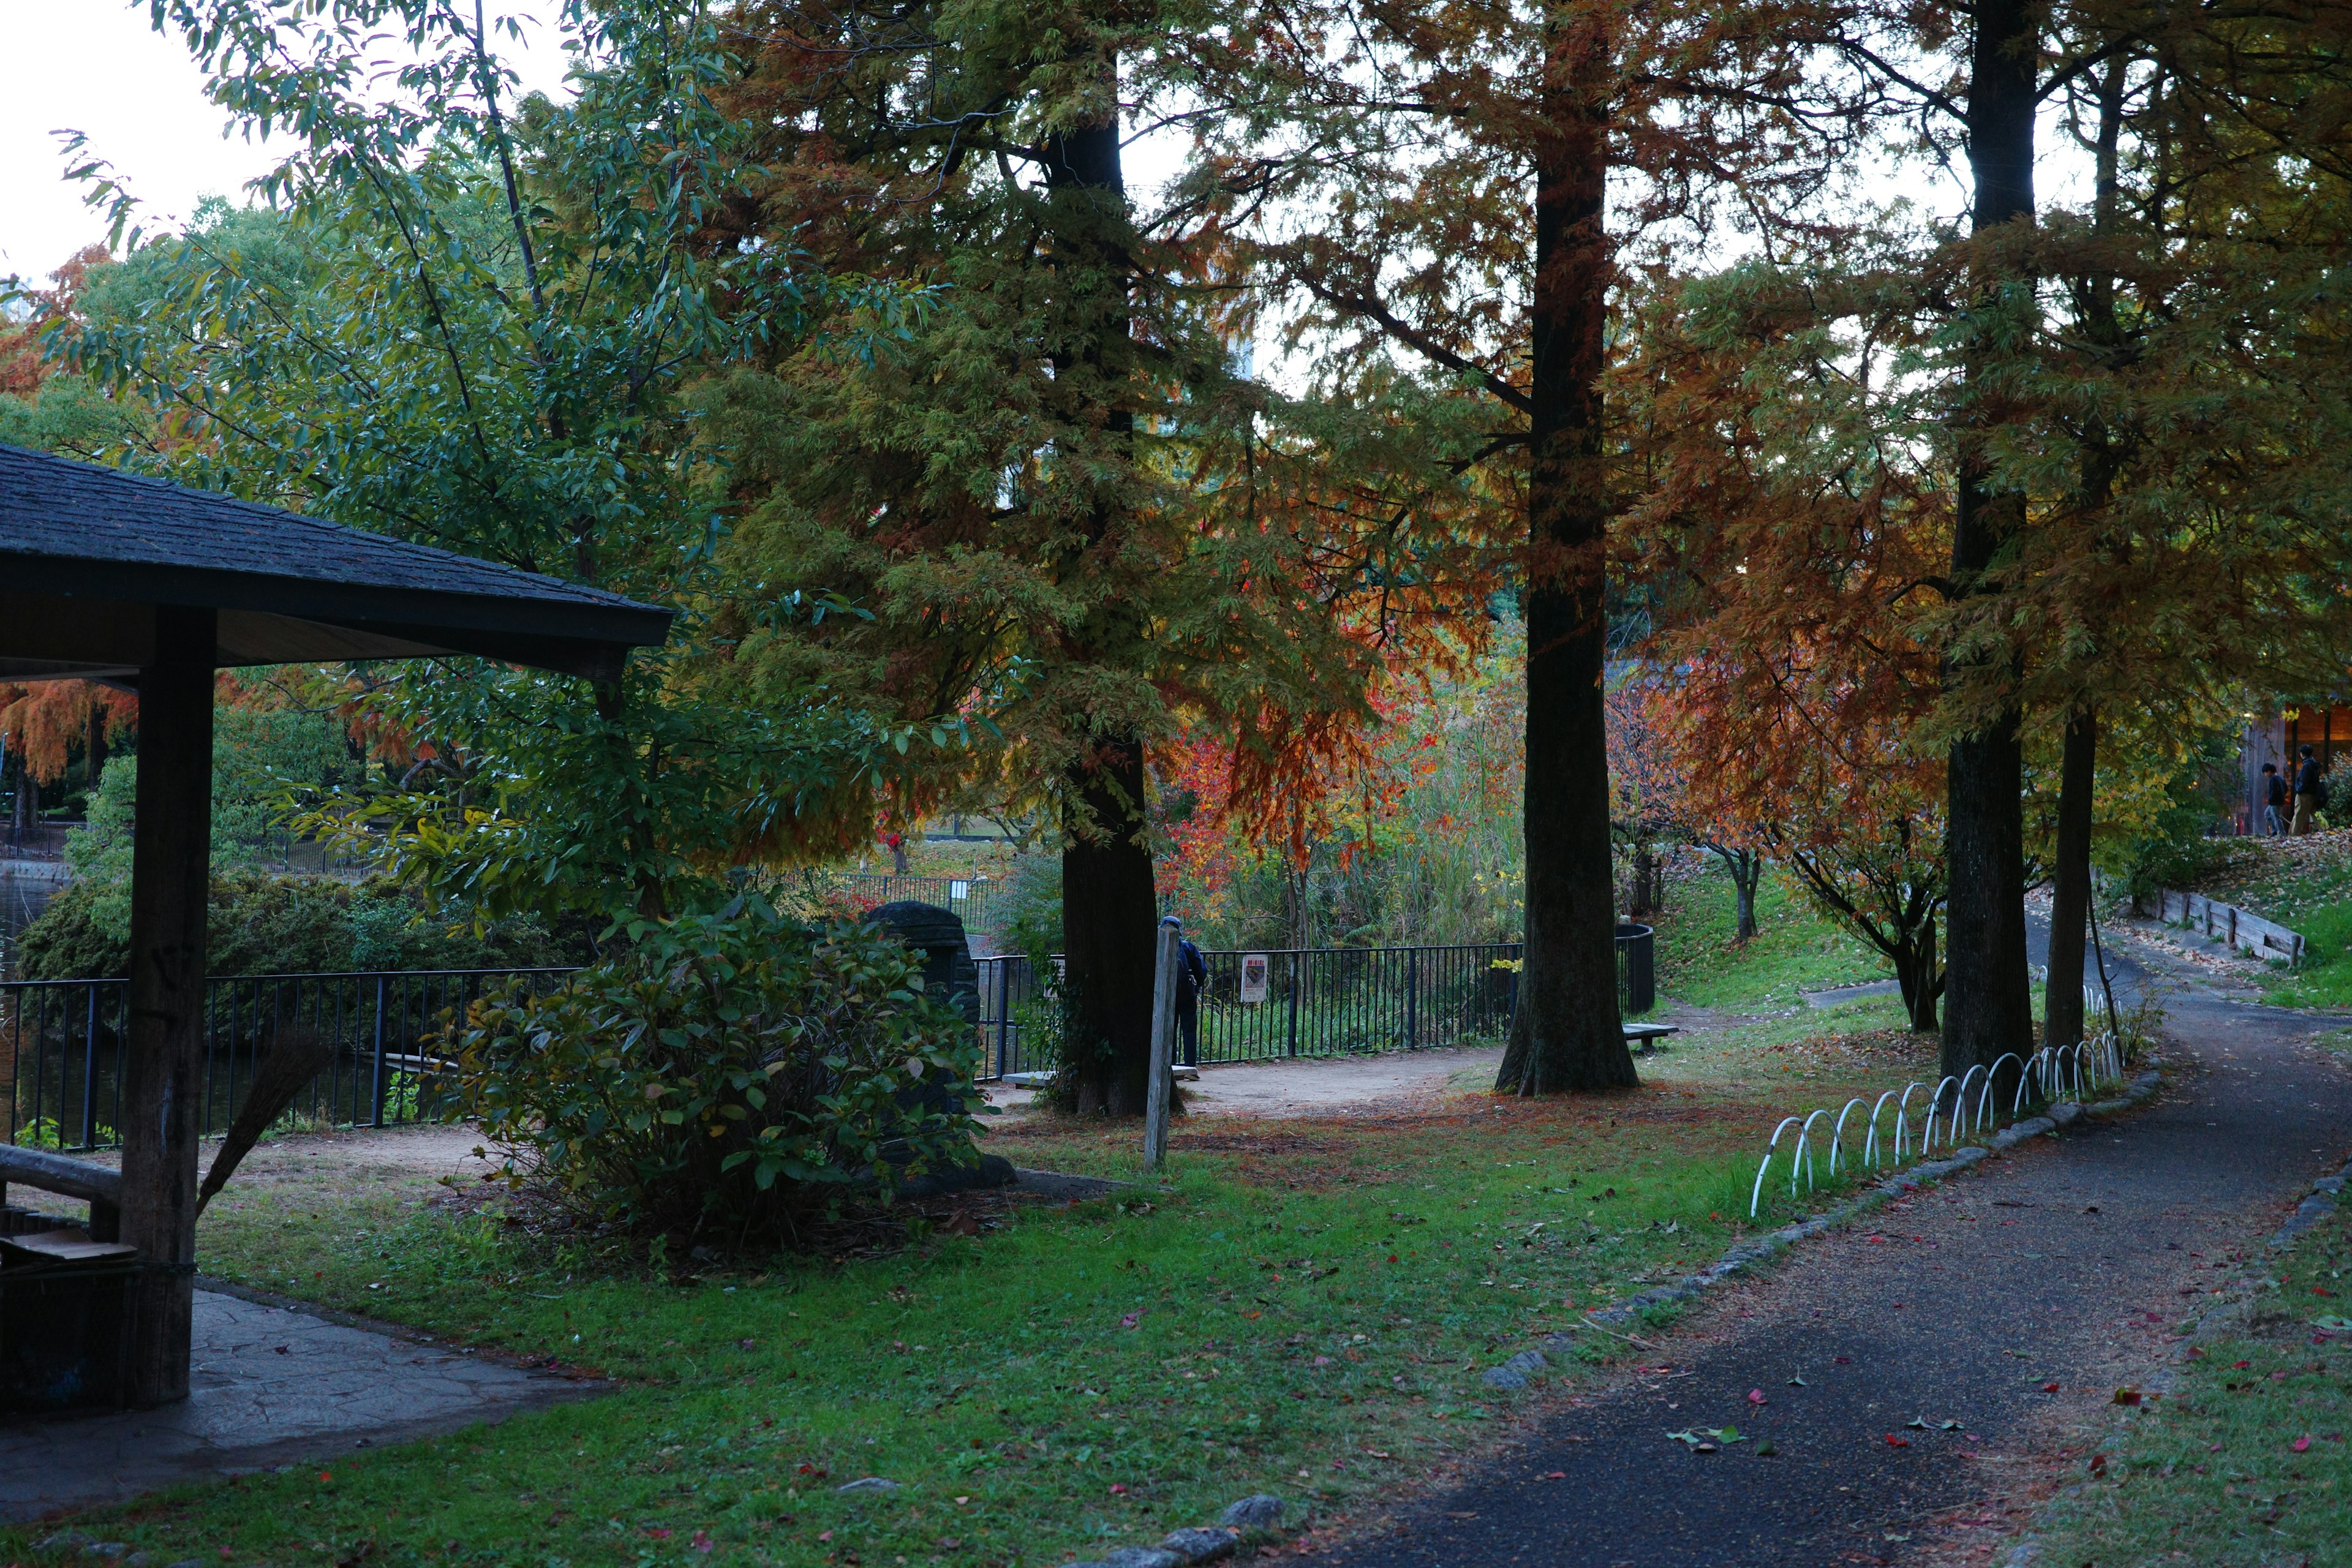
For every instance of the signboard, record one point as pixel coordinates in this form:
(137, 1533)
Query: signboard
(958, 891)
(1254, 974)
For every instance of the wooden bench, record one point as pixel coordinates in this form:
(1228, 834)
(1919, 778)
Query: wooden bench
(100, 1187)
(1646, 1037)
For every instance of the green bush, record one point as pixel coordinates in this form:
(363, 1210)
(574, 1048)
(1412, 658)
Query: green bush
(263, 925)
(1030, 907)
(730, 1077)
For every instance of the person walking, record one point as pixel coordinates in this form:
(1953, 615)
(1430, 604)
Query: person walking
(1191, 974)
(2310, 791)
(2274, 801)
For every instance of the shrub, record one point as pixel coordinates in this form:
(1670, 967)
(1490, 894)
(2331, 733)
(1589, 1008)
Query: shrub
(729, 1076)
(262, 924)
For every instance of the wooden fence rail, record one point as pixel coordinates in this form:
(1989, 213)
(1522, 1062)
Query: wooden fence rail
(2241, 927)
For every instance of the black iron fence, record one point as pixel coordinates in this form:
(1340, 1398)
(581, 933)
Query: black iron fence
(1312, 1002)
(978, 901)
(61, 1040)
(61, 1047)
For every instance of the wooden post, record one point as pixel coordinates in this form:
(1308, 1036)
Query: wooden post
(1163, 1036)
(170, 855)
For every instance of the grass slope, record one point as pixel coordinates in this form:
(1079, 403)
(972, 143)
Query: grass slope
(1794, 948)
(2304, 884)
(2248, 1461)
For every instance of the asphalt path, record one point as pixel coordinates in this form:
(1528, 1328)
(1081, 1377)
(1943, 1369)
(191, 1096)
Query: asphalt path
(2070, 1261)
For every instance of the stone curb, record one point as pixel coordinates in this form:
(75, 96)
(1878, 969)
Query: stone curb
(2318, 1206)
(1259, 1513)
(1515, 1373)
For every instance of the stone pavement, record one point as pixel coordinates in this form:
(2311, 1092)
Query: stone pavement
(270, 1386)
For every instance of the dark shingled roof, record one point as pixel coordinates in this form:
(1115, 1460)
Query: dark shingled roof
(85, 550)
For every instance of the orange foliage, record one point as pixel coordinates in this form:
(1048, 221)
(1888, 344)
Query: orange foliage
(47, 720)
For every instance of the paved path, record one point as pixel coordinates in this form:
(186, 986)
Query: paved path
(2067, 1261)
(271, 1387)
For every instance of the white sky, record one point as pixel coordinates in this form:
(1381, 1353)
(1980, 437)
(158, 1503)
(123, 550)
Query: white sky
(96, 66)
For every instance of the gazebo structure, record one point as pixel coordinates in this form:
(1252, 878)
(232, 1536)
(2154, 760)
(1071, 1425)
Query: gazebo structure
(107, 575)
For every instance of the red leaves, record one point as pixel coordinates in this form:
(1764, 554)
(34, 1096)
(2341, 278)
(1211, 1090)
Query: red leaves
(1895, 1442)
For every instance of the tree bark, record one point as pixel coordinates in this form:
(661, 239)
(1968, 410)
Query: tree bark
(1109, 901)
(1746, 868)
(1989, 1008)
(1109, 909)
(171, 854)
(2069, 888)
(1566, 1033)
(1916, 974)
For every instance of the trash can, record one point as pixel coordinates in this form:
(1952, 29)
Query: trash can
(68, 1311)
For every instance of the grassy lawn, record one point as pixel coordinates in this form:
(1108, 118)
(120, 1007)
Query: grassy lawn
(1304, 1310)
(2304, 884)
(1304, 1307)
(2248, 1461)
(1793, 951)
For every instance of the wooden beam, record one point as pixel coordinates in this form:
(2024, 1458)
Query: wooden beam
(171, 863)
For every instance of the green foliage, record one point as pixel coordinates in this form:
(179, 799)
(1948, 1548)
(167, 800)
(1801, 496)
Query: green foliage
(263, 925)
(1030, 907)
(265, 760)
(2175, 849)
(729, 1076)
(476, 323)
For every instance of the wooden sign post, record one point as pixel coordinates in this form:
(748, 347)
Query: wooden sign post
(1163, 1037)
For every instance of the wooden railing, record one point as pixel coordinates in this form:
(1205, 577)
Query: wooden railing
(2241, 927)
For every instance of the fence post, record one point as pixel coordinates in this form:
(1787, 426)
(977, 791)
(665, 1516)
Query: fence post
(375, 1092)
(1412, 998)
(90, 1074)
(1003, 1015)
(1297, 963)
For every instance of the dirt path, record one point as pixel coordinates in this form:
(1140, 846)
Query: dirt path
(2068, 1262)
(1316, 1086)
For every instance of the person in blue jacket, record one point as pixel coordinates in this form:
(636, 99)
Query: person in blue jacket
(1191, 974)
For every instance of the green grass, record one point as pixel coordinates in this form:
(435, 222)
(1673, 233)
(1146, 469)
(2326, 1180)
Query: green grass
(2213, 1474)
(1794, 948)
(1306, 1312)
(2303, 884)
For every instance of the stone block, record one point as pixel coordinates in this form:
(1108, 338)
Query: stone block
(1260, 1510)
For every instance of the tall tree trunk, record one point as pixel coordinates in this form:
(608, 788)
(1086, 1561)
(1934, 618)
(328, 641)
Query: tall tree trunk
(2070, 901)
(1566, 1033)
(2070, 887)
(1109, 907)
(1109, 904)
(1989, 1008)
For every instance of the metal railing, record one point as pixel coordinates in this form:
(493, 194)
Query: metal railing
(61, 1040)
(61, 1047)
(1316, 1002)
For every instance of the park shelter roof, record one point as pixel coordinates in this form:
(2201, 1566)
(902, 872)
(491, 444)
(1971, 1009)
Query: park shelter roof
(86, 553)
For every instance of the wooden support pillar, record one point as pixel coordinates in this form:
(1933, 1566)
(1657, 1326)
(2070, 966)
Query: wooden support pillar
(170, 860)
